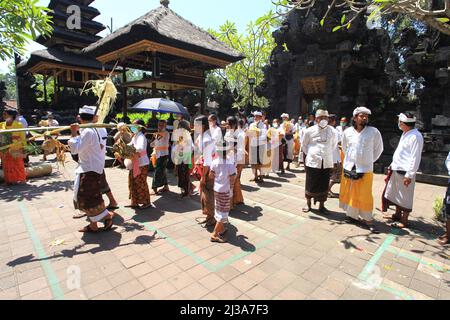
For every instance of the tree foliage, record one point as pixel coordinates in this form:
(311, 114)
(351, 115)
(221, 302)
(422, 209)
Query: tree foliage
(9, 78)
(20, 21)
(434, 13)
(256, 45)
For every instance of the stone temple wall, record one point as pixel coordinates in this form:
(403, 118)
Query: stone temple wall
(358, 66)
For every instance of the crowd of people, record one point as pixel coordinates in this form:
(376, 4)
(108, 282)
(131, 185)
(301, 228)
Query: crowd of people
(215, 153)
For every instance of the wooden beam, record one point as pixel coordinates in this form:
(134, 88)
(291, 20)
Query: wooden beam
(147, 45)
(43, 67)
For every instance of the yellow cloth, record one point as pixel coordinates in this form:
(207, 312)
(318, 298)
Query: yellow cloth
(18, 138)
(297, 145)
(357, 193)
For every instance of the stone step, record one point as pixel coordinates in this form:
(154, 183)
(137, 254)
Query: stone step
(109, 162)
(436, 180)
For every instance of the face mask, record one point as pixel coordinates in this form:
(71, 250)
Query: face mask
(343, 124)
(323, 123)
(134, 130)
(275, 125)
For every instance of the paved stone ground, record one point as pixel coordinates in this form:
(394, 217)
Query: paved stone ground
(274, 250)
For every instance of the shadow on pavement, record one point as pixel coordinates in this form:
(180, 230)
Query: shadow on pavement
(29, 192)
(246, 213)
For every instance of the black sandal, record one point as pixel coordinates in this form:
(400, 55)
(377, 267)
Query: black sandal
(88, 229)
(108, 225)
(398, 225)
(218, 239)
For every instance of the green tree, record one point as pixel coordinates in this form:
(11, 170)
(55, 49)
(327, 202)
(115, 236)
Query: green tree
(9, 78)
(20, 21)
(434, 13)
(256, 45)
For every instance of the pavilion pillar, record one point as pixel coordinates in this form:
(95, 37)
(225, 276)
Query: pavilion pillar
(124, 93)
(56, 88)
(45, 90)
(154, 90)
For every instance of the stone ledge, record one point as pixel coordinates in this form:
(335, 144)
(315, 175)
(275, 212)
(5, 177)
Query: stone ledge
(437, 180)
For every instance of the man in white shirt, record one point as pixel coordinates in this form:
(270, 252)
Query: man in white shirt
(343, 125)
(113, 205)
(402, 174)
(161, 146)
(91, 163)
(51, 120)
(318, 145)
(362, 146)
(445, 239)
(257, 134)
(288, 130)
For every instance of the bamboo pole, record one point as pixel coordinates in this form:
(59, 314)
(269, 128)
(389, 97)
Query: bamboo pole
(56, 130)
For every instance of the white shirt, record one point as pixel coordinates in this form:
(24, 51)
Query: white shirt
(223, 170)
(341, 129)
(408, 154)
(139, 142)
(91, 156)
(207, 148)
(53, 123)
(262, 137)
(447, 163)
(104, 137)
(361, 149)
(240, 149)
(336, 152)
(318, 145)
(216, 134)
(182, 147)
(161, 144)
(302, 133)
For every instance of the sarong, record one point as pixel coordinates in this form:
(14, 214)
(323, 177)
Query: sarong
(207, 198)
(104, 184)
(138, 187)
(184, 181)
(297, 145)
(88, 196)
(289, 151)
(317, 182)
(160, 176)
(238, 197)
(356, 197)
(398, 194)
(13, 168)
(222, 206)
(336, 173)
(278, 158)
(267, 165)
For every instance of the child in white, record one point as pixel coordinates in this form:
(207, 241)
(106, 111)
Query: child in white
(223, 170)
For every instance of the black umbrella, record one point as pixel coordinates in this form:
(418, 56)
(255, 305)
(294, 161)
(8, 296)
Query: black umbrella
(160, 105)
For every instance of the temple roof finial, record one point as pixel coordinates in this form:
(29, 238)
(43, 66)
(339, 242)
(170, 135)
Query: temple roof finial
(164, 3)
